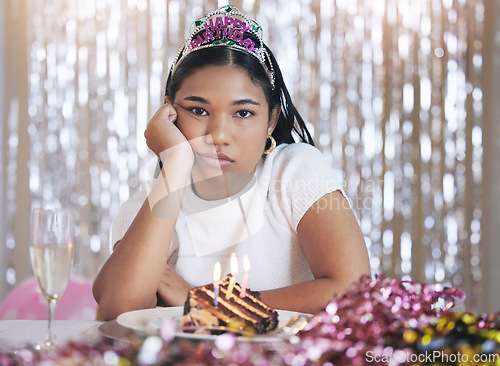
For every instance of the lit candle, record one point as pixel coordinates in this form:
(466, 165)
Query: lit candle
(232, 280)
(246, 266)
(217, 274)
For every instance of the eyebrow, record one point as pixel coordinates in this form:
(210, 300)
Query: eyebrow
(195, 98)
(245, 101)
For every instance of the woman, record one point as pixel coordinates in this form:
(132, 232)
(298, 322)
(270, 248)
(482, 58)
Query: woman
(233, 180)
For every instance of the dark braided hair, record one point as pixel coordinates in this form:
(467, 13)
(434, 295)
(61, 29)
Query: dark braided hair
(290, 121)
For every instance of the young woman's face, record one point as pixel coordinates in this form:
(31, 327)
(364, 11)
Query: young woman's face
(226, 118)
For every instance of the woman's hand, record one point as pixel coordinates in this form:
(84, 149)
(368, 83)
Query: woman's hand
(173, 290)
(161, 133)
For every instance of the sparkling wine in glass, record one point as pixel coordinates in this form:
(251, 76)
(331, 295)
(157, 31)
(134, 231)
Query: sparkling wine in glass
(52, 253)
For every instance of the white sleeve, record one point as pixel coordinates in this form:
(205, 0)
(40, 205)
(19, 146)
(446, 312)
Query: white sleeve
(305, 176)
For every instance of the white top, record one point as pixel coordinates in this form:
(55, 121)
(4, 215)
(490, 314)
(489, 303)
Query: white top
(260, 221)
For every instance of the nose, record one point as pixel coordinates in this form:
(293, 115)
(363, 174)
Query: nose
(220, 131)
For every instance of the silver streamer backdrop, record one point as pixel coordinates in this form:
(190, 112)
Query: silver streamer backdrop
(391, 88)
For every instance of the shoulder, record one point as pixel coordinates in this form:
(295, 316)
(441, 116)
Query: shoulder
(298, 164)
(296, 159)
(296, 153)
(294, 177)
(298, 150)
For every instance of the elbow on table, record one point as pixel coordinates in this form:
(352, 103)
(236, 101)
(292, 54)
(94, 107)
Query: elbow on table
(348, 279)
(113, 303)
(109, 307)
(111, 310)
(353, 276)
(339, 286)
(108, 312)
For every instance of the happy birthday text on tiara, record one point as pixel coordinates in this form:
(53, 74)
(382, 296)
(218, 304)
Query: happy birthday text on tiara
(225, 27)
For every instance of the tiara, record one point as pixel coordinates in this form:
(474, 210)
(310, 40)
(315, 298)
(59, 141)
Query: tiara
(226, 26)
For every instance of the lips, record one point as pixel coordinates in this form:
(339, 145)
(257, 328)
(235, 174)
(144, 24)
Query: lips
(216, 160)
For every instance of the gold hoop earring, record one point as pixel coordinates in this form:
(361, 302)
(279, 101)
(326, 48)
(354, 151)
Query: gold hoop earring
(273, 145)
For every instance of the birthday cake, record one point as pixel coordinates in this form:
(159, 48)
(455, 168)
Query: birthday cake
(235, 308)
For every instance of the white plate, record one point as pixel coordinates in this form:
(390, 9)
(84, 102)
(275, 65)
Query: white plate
(140, 320)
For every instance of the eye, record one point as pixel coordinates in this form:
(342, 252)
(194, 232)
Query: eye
(197, 111)
(244, 113)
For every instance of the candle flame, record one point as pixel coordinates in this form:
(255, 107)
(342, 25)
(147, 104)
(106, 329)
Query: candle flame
(234, 264)
(246, 263)
(217, 272)
(246, 266)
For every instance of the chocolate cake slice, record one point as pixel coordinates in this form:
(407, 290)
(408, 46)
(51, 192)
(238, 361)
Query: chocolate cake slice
(234, 311)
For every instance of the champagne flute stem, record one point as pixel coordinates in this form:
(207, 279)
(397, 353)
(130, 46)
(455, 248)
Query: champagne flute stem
(51, 335)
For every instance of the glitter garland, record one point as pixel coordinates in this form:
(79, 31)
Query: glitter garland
(361, 321)
(378, 321)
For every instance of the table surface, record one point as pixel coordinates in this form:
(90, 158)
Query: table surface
(19, 333)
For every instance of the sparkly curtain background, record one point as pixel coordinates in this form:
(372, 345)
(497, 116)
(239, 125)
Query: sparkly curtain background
(392, 90)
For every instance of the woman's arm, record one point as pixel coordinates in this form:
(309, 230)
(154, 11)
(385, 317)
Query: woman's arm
(130, 277)
(336, 251)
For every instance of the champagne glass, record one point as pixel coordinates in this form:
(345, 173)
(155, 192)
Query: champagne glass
(52, 253)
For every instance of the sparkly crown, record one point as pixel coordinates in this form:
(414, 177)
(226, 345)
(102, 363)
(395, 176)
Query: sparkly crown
(227, 26)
